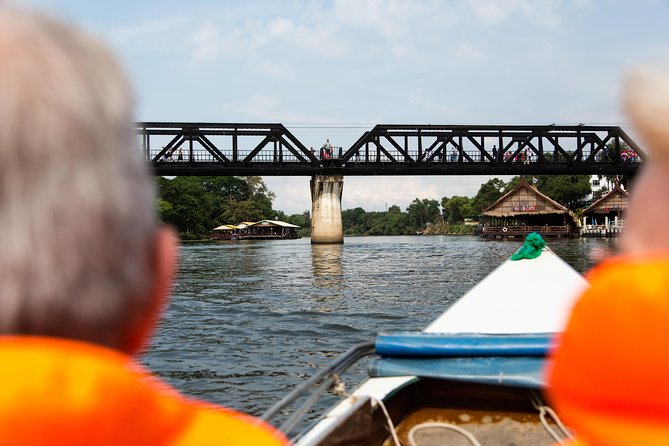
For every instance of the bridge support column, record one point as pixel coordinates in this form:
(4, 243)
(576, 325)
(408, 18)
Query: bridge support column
(326, 225)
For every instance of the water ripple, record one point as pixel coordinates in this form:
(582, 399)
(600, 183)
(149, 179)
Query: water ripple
(250, 320)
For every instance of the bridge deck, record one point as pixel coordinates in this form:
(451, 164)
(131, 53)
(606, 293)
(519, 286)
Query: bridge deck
(270, 149)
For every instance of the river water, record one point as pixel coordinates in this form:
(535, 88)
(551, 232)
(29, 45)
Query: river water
(249, 320)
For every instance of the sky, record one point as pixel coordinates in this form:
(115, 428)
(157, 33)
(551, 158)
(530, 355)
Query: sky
(335, 68)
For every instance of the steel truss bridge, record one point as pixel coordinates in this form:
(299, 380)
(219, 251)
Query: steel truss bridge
(271, 149)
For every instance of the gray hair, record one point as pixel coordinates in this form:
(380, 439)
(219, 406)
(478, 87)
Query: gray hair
(76, 202)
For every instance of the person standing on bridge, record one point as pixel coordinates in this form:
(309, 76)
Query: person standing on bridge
(84, 267)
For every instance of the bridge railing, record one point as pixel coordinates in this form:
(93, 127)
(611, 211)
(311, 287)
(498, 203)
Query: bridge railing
(270, 149)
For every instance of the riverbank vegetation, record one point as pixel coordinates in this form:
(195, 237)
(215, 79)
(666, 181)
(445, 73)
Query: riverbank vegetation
(196, 205)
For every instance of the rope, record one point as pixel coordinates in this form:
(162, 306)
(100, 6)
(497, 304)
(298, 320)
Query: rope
(468, 435)
(546, 410)
(339, 389)
(391, 426)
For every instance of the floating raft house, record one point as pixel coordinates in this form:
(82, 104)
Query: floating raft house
(524, 210)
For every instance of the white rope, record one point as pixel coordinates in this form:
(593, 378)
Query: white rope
(391, 426)
(543, 410)
(339, 389)
(468, 435)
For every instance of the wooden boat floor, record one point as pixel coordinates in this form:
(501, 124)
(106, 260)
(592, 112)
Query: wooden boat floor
(494, 415)
(489, 428)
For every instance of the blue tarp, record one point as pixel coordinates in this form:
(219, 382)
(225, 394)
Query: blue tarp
(420, 344)
(518, 372)
(516, 360)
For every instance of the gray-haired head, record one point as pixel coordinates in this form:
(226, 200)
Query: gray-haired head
(646, 101)
(76, 201)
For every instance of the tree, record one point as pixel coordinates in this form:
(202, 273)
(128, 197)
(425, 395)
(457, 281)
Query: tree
(239, 211)
(424, 211)
(353, 220)
(457, 208)
(183, 204)
(444, 208)
(195, 205)
(260, 194)
(568, 190)
(488, 193)
(302, 220)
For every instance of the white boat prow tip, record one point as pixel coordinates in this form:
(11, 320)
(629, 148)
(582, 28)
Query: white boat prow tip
(521, 296)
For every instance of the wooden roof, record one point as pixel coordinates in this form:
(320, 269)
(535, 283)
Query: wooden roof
(272, 223)
(616, 200)
(524, 199)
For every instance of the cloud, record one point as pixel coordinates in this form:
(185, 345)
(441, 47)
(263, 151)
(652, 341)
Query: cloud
(584, 4)
(278, 35)
(470, 53)
(281, 27)
(374, 193)
(270, 107)
(395, 20)
(293, 195)
(536, 12)
(145, 29)
(206, 42)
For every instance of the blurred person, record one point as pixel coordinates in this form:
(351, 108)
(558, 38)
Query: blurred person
(609, 375)
(84, 267)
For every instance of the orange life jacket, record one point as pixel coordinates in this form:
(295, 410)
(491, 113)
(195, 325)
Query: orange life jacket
(609, 377)
(62, 392)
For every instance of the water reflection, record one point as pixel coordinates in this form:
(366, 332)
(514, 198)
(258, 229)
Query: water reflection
(327, 269)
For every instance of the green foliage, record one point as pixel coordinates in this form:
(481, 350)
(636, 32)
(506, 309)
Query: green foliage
(196, 205)
(461, 229)
(444, 229)
(512, 184)
(423, 211)
(568, 190)
(302, 220)
(353, 221)
(488, 193)
(393, 222)
(457, 208)
(243, 210)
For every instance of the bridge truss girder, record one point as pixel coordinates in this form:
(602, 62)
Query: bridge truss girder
(221, 149)
(270, 149)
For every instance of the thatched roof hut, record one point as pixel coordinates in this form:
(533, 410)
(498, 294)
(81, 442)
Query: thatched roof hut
(614, 203)
(606, 215)
(523, 210)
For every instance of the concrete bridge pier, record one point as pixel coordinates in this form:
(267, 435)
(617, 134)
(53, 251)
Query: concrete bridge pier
(326, 225)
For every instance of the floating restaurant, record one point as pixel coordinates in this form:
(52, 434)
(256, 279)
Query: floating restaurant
(605, 217)
(524, 210)
(261, 230)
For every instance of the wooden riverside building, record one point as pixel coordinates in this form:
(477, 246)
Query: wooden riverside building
(524, 210)
(261, 230)
(605, 217)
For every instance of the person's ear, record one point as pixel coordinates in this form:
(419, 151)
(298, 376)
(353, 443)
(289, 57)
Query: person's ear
(163, 266)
